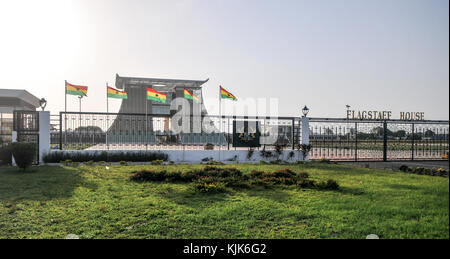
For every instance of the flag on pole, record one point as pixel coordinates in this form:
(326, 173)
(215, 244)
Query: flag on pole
(190, 96)
(156, 96)
(224, 94)
(114, 93)
(76, 89)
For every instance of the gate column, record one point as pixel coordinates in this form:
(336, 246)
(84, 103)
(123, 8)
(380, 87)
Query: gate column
(305, 134)
(385, 141)
(44, 134)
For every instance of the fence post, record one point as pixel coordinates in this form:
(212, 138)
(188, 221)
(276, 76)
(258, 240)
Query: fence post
(385, 141)
(305, 134)
(293, 134)
(356, 142)
(412, 143)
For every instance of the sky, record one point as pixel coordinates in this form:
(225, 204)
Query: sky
(373, 55)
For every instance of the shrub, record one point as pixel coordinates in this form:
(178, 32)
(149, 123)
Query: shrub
(419, 170)
(5, 155)
(403, 168)
(328, 185)
(291, 155)
(250, 153)
(206, 159)
(142, 156)
(204, 186)
(24, 154)
(303, 175)
(285, 173)
(306, 183)
(149, 176)
(214, 162)
(279, 149)
(262, 162)
(157, 162)
(123, 163)
(266, 154)
(90, 163)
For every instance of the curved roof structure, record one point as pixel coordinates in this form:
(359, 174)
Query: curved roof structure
(158, 83)
(13, 99)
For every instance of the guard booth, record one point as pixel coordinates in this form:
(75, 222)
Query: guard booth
(26, 129)
(19, 120)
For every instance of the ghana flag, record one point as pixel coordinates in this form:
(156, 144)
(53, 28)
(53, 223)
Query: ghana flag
(156, 96)
(190, 96)
(114, 93)
(224, 94)
(76, 89)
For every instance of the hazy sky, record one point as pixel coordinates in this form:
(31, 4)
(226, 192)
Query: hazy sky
(373, 55)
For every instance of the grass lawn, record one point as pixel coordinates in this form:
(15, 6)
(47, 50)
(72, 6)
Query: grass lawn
(92, 202)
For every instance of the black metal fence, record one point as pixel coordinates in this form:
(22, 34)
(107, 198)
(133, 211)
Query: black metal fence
(334, 139)
(102, 131)
(340, 139)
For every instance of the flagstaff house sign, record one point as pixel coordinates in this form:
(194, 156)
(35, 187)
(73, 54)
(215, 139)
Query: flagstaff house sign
(384, 115)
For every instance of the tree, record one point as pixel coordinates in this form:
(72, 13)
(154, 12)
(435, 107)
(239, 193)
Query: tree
(429, 134)
(400, 134)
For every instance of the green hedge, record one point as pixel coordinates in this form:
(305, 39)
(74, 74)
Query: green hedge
(5, 155)
(143, 156)
(24, 154)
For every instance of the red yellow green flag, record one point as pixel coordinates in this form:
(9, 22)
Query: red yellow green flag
(190, 96)
(224, 94)
(76, 89)
(114, 93)
(156, 96)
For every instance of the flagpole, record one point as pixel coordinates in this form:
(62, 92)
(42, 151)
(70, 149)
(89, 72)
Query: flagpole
(146, 122)
(220, 123)
(65, 115)
(107, 116)
(65, 95)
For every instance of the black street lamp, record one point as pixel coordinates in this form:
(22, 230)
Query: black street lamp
(43, 103)
(305, 111)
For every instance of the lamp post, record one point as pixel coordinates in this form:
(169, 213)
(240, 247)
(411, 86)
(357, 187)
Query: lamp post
(43, 103)
(305, 111)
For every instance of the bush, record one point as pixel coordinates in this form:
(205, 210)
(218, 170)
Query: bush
(123, 163)
(142, 156)
(250, 153)
(24, 154)
(149, 176)
(213, 179)
(404, 168)
(5, 155)
(328, 185)
(157, 162)
(207, 185)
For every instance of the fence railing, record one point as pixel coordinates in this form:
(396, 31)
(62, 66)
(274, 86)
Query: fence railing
(340, 139)
(102, 131)
(334, 139)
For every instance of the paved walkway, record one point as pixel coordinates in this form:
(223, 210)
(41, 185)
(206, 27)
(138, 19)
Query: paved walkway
(395, 165)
